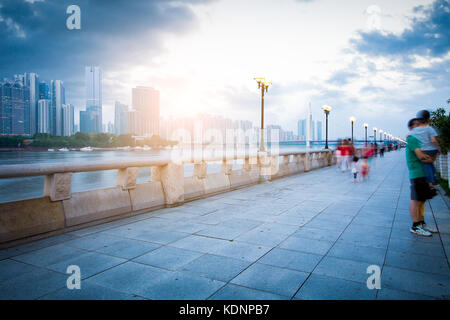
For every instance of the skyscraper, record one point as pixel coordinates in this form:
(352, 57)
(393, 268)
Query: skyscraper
(301, 129)
(44, 90)
(58, 98)
(120, 118)
(67, 119)
(319, 130)
(44, 119)
(14, 108)
(31, 80)
(93, 113)
(145, 101)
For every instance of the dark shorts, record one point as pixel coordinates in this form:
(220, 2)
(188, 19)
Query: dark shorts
(419, 189)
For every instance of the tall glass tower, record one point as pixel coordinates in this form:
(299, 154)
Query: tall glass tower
(93, 81)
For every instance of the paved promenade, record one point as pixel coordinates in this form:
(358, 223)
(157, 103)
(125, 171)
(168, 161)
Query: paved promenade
(309, 236)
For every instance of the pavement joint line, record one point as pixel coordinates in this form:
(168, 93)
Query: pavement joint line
(439, 233)
(390, 233)
(334, 243)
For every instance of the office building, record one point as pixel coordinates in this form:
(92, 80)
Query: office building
(14, 108)
(67, 119)
(319, 130)
(91, 118)
(145, 101)
(120, 118)
(301, 129)
(58, 98)
(44, 119)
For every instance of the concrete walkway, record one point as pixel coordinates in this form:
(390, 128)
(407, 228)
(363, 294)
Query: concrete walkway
(309, 236)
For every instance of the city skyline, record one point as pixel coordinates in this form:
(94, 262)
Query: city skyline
(363, 62)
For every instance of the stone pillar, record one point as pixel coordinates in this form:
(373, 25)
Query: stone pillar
(329, 158)
(126, 178)
(307, 161)
(58, 186)
(227, 167)
(200, 170)
(171, 176)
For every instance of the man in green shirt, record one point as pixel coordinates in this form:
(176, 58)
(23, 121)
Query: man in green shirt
(419, 187)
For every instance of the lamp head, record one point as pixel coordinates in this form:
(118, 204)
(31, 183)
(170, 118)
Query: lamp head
(352, 119)
(365, 125)
(374, 129)
(326, 108)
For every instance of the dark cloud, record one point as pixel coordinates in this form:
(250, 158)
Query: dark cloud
(35, 37)
(428, 35)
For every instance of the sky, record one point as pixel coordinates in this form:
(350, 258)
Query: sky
(378, 61)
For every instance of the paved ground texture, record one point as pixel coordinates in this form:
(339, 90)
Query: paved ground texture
(309, 236)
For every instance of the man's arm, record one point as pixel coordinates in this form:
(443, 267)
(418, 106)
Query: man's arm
(436, 143)
(423, 156)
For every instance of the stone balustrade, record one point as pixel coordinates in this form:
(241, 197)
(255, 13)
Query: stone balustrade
(60, 210)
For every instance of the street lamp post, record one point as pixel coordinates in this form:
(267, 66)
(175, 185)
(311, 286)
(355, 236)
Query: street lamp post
(264, 86)
(381, 136)
(352, 120)
(365, 132)
(327, 110)
(374, 134)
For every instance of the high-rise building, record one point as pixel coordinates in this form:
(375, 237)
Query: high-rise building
(58, 98)
(319, 130)
(68, 111)
(44, 90)
(313, 130)
(31, 80)
(301, 129)
(44, 119)
(120, 118)
(133, 122)
(145, 101)
(92, 117)
(14, 108)
(110, 127)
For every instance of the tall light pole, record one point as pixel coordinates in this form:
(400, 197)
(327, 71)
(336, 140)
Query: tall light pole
(264, 86)
(381, 136)
(327, 110)
(352, 120)
(365, 132)
(375, 134)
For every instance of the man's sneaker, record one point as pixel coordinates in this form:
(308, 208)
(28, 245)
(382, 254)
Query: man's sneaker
(419, 231)
(426, 227)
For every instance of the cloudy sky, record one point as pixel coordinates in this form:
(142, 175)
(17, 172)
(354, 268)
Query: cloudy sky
(379, 61)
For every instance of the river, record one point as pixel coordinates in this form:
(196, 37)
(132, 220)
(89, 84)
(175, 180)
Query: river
(12, 189)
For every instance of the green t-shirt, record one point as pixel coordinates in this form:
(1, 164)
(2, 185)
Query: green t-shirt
(414, 164)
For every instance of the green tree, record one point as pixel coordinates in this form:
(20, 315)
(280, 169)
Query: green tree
(441, 121)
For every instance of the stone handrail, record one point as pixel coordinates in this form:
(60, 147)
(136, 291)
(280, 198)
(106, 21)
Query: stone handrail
(60, 210)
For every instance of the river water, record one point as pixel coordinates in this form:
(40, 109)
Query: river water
(12, 189)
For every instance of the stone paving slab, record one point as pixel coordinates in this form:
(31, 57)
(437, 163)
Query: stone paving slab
(308, 236)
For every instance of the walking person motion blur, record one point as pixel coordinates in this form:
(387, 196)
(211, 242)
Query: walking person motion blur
(427, 136)
(420, 191)
(355, 169)
(345, 155)
(381, 149)
(365, 168)
(338, 153)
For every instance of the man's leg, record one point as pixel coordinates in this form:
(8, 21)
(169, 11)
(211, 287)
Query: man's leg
(414, 211)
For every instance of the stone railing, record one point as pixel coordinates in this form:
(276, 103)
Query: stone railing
(60, 210)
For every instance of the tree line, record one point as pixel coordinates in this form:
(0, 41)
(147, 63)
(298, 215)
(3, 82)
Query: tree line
(83, 139)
